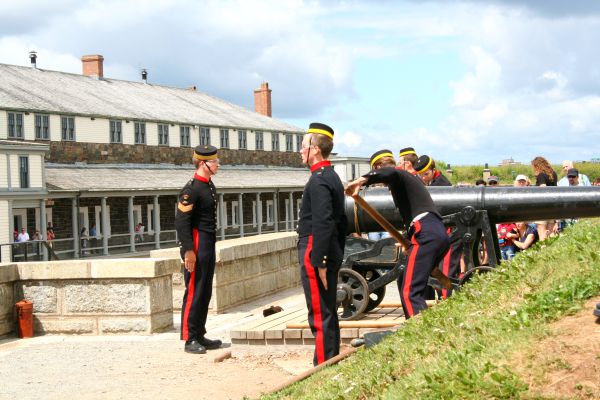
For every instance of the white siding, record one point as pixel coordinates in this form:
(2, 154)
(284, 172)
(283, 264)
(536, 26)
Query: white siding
(215, 138)
(251, 140)
(14, 171)
(194, 135)
(234, 138)
(267, 141)
(5, 235)
(152, 134)
(3, 124)
(35, 171)
(55, 128)
(174, 135)
(128, 131)
(91, 131)
(29, 126)
(4, 173)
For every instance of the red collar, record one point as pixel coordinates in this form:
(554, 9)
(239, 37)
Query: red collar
(436, 174)
(201, 178)
(320, 164)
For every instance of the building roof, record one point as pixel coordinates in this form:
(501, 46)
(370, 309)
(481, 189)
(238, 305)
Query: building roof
(140, 177)
(27, 88)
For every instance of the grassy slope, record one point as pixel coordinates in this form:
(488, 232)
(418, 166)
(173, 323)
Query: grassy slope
(459, 349)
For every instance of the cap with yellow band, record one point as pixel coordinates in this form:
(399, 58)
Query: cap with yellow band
(321, 129)
(423, 164)
(205, 153)
(379, 155)
(407, 150)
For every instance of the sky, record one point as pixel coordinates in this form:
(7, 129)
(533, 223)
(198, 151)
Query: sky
(466, 82)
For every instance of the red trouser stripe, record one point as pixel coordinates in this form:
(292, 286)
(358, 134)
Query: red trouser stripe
(191, 289)
(316, 303)
(446, 265)
(408, 274)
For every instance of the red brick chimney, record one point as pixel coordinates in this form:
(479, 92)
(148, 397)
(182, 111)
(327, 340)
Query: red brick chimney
(262, 100)
(93, 65)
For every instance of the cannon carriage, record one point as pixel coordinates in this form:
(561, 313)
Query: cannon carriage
(471, 215)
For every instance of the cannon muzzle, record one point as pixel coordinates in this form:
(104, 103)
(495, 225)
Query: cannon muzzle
(503, 204)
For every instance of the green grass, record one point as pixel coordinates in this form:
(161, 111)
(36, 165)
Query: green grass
(462, 348)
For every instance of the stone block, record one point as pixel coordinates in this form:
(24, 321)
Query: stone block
(108, 296)
(292, 334)
(43, 295)
(178, 279)
(123, 325)
(161, 322)
(51, 270)
(7, 325)
(77, 326)
(8, 273)
(133, 268)
(161, 294)
(7, 299)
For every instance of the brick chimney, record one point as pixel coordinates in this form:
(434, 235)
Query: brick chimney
(262, 100)
(93, 65)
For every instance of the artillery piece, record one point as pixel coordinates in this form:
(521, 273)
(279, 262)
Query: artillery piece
(470, 212)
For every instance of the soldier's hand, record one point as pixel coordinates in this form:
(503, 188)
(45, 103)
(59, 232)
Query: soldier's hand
(189, 260)
(353, 187)
(323, 276)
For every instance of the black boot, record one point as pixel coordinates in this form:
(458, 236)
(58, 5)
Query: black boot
(192, 346)
(210, 344)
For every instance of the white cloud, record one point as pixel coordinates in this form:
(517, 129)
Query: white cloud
(349, 140)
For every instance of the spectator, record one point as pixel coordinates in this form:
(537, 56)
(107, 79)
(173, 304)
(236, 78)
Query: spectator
(36, 235)
(544, 176)
(23, 236)
(507, 247)
(84, 240)
(521, 181)
(15, 235)
(93, 238)
(139, 232)
(492, 180)
(480, 182)
(524, 237)
(50, 234)
(597, 182)
(564, 181)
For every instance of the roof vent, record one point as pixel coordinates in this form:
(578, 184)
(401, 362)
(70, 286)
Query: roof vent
(145, 76)
(33, 58)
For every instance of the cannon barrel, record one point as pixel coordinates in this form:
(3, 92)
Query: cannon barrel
(503, 204)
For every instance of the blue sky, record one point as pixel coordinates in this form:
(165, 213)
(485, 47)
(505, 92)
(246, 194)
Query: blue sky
(463, 81)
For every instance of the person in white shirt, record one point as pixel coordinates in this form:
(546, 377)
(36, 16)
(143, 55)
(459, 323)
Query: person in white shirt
(23, 236)
(564, 181)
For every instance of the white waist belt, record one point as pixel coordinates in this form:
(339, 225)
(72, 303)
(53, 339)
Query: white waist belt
(419, 217)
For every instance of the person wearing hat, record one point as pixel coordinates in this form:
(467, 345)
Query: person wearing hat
(583, 179)
(425, 167)
(195, 222)
(493, 180)
(425, 231)
(321, 240)
(381, 159)
(521, 181)
(407, 160)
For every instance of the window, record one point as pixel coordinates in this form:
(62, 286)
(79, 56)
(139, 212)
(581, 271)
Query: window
(163, 134)
(24, 171)
(42, 127)
(150, 217)
(299, 142)
(353, 171)
(140, 132)
(224, 135)
(235, 214)
(275, 141)
(67, 127)
(289, 142)
(185, 136)
(204, 136)
(242, 140)
(270, 211)
(115, 132)
(260, 141)
(15, 126)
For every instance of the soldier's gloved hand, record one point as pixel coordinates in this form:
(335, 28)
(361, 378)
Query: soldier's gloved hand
(189, 260)
(353, 187)
(323, 276)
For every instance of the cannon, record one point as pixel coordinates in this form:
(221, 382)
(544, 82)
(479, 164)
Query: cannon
(471, 214)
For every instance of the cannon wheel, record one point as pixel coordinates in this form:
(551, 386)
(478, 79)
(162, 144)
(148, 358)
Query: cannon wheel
(474, 271)
(353, 291)
(377, 295)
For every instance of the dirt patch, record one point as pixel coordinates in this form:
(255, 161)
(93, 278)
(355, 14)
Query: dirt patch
(566, 364)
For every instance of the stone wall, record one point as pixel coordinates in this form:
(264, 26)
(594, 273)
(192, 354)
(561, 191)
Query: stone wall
(246, 269)
(111, 153)
(96, 297)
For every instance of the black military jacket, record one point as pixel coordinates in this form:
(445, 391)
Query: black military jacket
(440, 180)
(410, 196)
(196, 209)
(323, 216)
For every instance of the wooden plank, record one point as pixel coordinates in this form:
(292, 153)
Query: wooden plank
(349, 324)
(256, 324)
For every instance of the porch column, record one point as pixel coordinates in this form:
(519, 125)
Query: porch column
(241, 213)
(156, 223)
(104, 222)
(258, 213)
(291, 211)
(43, 228)
(11, 229)
(75, 226)
(276, 210)
(222, 215)
(131, 226)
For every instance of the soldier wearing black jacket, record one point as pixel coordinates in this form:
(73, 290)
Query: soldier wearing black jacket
(425, 230)
(195, 222)
(322, 235)
(450, 265)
